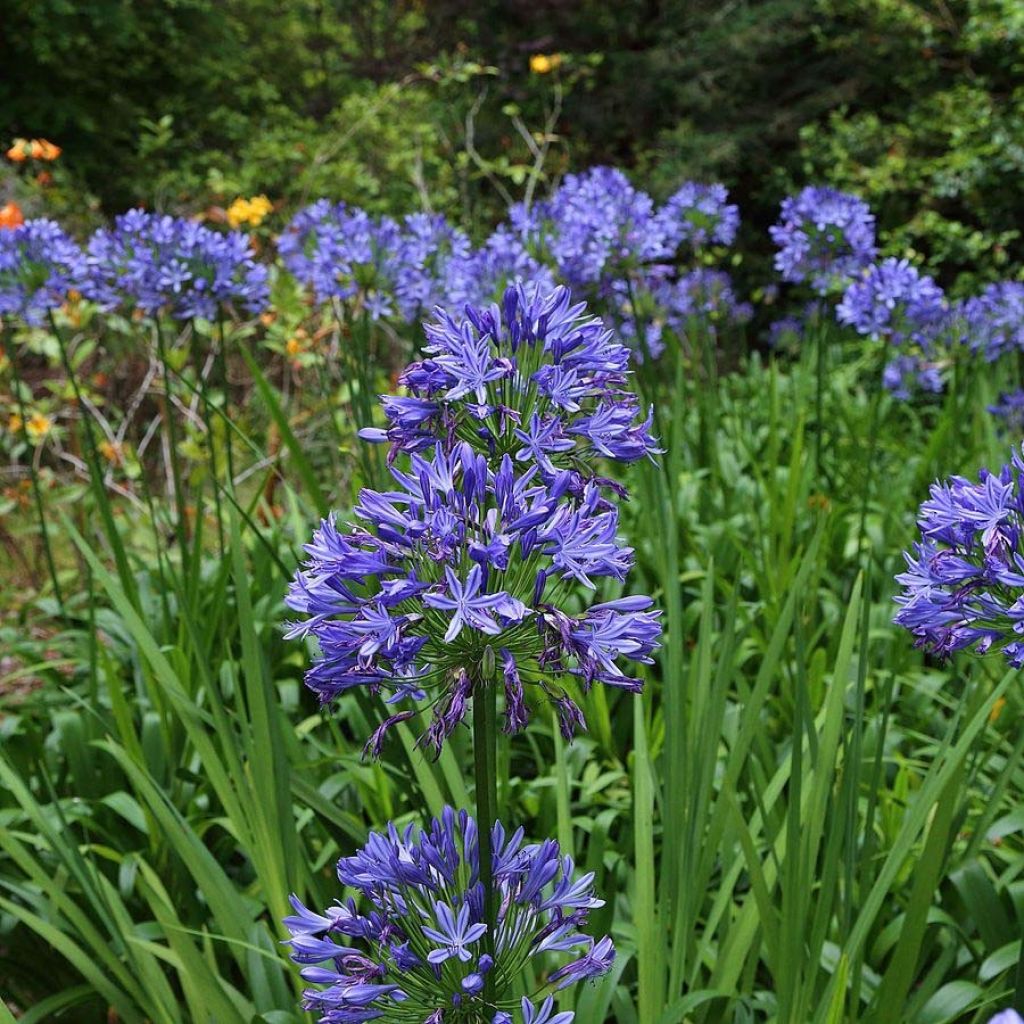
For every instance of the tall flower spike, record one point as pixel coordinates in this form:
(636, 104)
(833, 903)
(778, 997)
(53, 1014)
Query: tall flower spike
(964, 584)
(462, 576)
(414, 945)
(535, 378)
(39, 265)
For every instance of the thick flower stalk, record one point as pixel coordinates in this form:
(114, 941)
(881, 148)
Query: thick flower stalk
(824, 237)
(158, 263)
(535, 378)
(464, 577)
(964, 584)
(39, 266)
(415, 946)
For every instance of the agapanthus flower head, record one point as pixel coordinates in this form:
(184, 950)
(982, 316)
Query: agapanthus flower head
(704, 294)
(1010, 410)
(698, 215)
(503, 260)
(155, 262)
(893, 301)
(908, 375)
(596, 228)
(786, 333)
(39, 265)
(431, 266)
(462, 577)
(535, 377)
(340, 251)
(415, 944)
(992, 323)
(824, 237)
(964, 584)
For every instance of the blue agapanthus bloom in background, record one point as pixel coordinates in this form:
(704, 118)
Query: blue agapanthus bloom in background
(39, 265)
(704, 294)
(894, 302)
(1010, 409)
(431, 266)
(697, 216)
(503, 260)
(596, 228)
(464, 576)
(910, 375)
(964, 584)
(414, 946)
(992, 323)
(824, 237)
(155, 262)
(1007, 1017)
(535, 377)
(340, 251)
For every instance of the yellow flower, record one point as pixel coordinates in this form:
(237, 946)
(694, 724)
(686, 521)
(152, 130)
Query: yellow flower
(14, 423)
(248, 211)
(997, 709)
(542, 63)
(293, 346)
(38, 426)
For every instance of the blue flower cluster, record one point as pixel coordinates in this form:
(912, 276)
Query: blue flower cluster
(705, 294)
(39, 265)
(416, 945)
(698, 216)
(535, 377)
(597, 233)
(467, 568)
(893, 301)
(394, 269)
(824, 237)
(993, 322)
(155, 262)
(964, 584)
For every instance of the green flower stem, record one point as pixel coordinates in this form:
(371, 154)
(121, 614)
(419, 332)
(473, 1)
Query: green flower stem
(37, 493)
(485, 717)
(207, 407)
(172, 444)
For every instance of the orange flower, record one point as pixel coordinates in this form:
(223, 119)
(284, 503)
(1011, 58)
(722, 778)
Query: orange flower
(111, 452)
(17, 153)
(293, 347)
(14, 423)
(47, 149)
(11, 216)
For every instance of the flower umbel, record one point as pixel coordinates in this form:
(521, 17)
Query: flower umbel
(964, 584)
(414, 946)
(461, 568)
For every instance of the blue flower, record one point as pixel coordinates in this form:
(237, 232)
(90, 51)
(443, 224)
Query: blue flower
(155, 262)
(892, 301)
(414, 944)
(993, 323)
(461, 564)
(698, 215)
(824, 237)
(964, 584)
(39, 265)
(535, 374)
